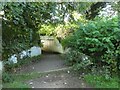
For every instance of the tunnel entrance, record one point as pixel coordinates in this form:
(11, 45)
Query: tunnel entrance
(51, 45)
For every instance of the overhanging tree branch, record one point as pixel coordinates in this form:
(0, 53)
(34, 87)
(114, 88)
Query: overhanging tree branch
(94, 10)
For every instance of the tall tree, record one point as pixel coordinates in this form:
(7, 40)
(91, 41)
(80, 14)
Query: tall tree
(21, 20)
(94, 10)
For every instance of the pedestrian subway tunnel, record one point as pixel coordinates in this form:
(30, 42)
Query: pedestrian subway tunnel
(51, 44)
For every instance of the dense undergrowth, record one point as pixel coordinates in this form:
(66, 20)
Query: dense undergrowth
(99, 40)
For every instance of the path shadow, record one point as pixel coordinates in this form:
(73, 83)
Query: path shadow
(49, 61)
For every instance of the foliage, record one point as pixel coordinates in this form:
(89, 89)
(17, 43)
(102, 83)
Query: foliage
(76, 59)
(94, 9)
(10, 67)
(116, 6)
(98, 39)
(61, 31)
(46, 29)
(64, 30)
(21, 22)
(18, 28)
(64, 9)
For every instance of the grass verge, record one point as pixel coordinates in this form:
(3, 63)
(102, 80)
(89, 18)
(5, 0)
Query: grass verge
(99, 81)
(20, 79)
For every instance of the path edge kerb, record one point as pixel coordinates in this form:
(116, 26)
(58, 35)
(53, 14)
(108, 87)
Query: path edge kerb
(52, 71)
(57, 70)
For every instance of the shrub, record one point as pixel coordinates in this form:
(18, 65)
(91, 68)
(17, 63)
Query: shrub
(11, 67)
(77, 60)
(99, 39)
